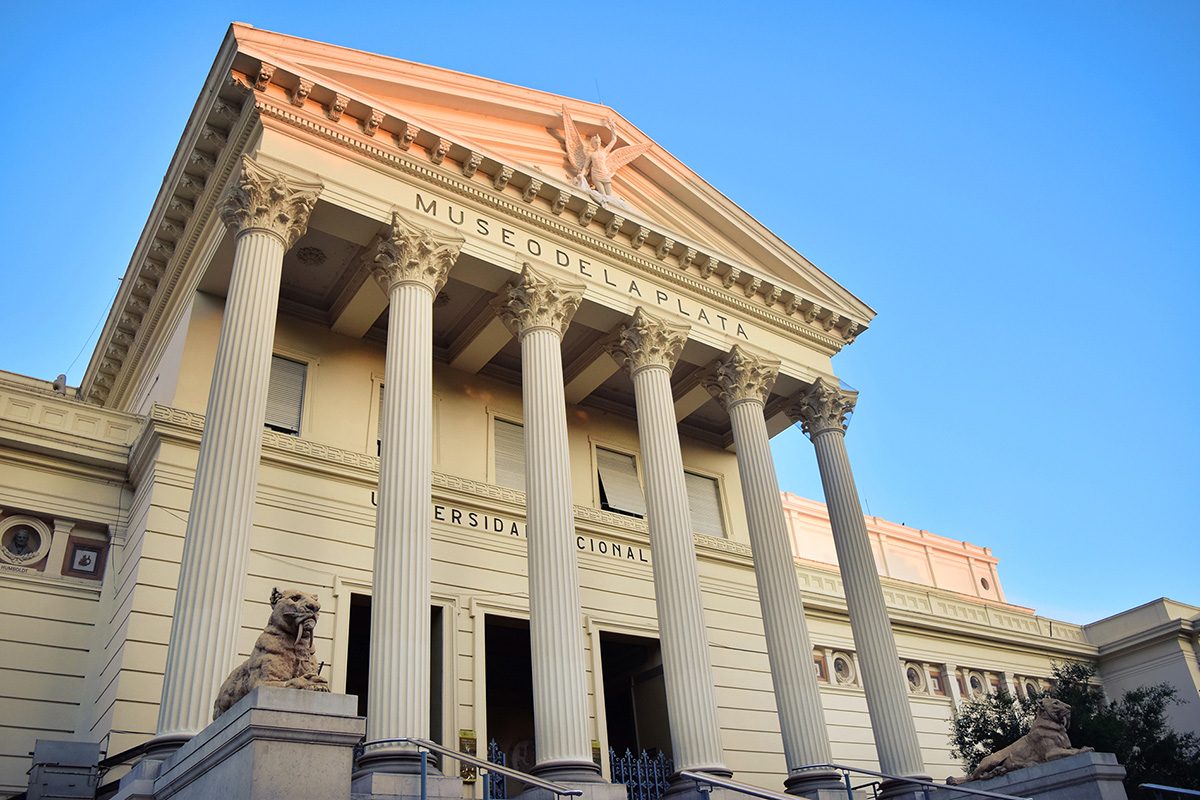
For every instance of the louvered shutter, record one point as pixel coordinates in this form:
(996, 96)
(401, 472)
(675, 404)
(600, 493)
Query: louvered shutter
(285, 395)
(704, 501)
(510, 454)
(619, 482)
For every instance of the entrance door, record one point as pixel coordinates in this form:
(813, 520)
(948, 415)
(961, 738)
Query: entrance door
(358, 660)
(635, 697)
(510, 694)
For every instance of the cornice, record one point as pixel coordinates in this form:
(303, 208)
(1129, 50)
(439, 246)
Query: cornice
(198, 173)
(512, 189)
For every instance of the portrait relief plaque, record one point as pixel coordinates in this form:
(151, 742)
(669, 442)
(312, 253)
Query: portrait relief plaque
(24, 541)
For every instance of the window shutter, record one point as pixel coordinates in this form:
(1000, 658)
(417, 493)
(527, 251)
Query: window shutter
(510, 454)
(619, 483)
(285, 395)
(704, 501)
(379, 422)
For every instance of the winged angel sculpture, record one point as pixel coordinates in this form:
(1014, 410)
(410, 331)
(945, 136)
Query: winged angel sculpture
(592, 159)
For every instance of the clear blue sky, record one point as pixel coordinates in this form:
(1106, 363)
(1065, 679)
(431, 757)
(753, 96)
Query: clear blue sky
(1011, 185)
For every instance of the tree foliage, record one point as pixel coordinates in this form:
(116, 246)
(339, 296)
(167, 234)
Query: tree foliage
(1133, 727)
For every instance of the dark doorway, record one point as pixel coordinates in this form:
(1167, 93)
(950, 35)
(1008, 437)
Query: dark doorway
(510, 694)
(635, 697)
(358, 660)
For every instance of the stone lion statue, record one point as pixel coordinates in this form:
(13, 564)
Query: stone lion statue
(1046, 741)
(283, 654)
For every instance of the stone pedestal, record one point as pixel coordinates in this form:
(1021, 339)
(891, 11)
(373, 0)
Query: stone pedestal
(273, 743)
(405, 786)
(1086, 776)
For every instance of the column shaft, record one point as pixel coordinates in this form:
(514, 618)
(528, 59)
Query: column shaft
(882, 678)
(398, 703)
(789, 648)
(555, 618)
(687, 672)
(212, 570)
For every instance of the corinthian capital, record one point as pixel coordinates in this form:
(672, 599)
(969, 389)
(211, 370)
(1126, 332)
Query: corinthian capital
(533, 301)
(408, 254)
(822, 407)
(266, 200)
(646, 342)
(741, 376)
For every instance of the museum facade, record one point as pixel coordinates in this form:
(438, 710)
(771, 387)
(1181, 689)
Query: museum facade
(494, 376)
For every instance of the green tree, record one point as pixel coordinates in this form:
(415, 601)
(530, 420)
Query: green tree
(1133, 727)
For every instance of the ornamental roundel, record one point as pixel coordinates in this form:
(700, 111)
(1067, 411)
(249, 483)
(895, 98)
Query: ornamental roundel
(976, 685)
(24, 541)
(915, 676)
(843, 669)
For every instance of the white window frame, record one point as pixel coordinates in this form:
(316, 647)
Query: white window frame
(495, 421)
(718, 492)
(309, 363)
(637, 470)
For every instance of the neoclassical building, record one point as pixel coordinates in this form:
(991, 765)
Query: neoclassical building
(493, 375)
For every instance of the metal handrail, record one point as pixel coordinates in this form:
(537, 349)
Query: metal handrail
(480, 763)
(1158, 789)
(767, 794)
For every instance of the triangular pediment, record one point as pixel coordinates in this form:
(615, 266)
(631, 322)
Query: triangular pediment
(524, 127)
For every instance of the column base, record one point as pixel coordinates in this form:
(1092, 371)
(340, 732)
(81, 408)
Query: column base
(683, 788)
(816, 785)
(582, 775)
(901, 789)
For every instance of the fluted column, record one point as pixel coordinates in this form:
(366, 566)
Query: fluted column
(411, 265)
(538, 310)
(741, 383)
(824, 410)
(648, 348)
(268, 212)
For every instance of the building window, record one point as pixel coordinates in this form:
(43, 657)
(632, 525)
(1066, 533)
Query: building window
(935, 677)
(508, 439)
(285, 395)
(704, 502)
(819, 666)
(620, 490)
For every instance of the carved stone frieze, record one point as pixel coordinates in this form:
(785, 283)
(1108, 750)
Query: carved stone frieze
(265, 71)
(560, 201)
(229, 112)
(639, 238)
(170, 229)
(371, 124)
(193, 183)
(531, 190)
(162, 249)
(614, 226)
(471, 165)
(301, 92)
(217, 137)
(822, 407)
(502, 178)
(152, 270)
(437, 153)
(182, 205)
(204, 161)
(731, 277)
(409, 254)
(646, 342)
(408, 137)
(336, 108)
(587, 213)
(739, 376)
(533, 300)
(664, 248)
(266, 200)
